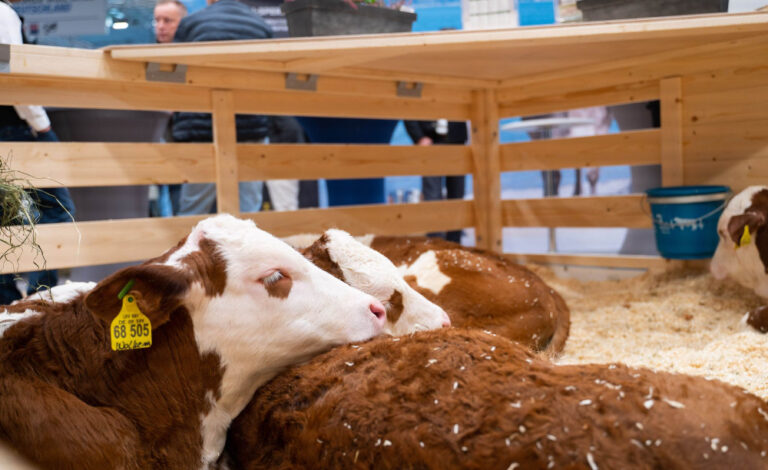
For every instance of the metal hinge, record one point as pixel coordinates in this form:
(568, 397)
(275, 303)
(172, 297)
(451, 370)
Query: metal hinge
(156, 74)
(409, 89)
(5, 58)
(295, 81)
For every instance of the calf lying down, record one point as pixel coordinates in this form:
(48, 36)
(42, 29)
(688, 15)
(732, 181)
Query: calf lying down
(228, 308)
(476, 288)
(466, 399)
(742, 252)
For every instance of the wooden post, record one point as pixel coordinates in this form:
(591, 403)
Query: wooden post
(225, 152)
(486, 174)
(671, 96)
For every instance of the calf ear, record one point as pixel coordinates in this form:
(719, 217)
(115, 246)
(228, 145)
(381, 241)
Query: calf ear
(738, 223)
(158, 291)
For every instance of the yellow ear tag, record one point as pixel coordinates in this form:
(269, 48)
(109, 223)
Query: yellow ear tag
(130, 329)
(745, 237)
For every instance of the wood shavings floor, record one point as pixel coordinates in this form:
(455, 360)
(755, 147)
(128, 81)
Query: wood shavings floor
(679, 321)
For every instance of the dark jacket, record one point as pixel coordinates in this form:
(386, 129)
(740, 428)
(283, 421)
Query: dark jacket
(457, 132)
(224, 20)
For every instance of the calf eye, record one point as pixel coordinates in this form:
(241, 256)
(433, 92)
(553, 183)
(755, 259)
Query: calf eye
(272, 278)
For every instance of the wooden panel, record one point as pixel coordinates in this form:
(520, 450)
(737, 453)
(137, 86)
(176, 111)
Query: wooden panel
(91, 243)
(225, 152)
(102, 95)
(633, 68)
(672, 132)
(282, 161)
(609, 211)
(606, 261)
(390, 219)
(313, 104)
(626, 148)
(117, 241)
(486, 173)
(75, 164)
(82, 64)
(620, 94)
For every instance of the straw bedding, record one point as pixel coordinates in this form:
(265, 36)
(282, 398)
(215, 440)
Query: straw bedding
(680, 321)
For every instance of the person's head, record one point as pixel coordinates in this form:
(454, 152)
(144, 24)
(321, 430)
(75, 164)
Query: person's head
(168, 14)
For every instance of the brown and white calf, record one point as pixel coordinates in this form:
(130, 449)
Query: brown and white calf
(464, 399)
(230, 307)
(479, 289)
(363, 268)
(476, 288)
(742, 253)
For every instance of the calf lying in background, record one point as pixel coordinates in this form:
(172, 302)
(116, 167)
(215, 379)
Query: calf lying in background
(479, 289)
(742, 253)
(229, 307)
(464, 399)
(341, 255)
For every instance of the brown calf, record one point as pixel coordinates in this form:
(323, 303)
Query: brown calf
(464, 399)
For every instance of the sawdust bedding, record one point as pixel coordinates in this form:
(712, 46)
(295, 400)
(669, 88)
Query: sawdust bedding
(680, 321)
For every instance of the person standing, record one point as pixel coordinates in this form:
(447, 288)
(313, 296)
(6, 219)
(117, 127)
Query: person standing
(440, 132)
(30, 123)
(221, 20)
(167, 16)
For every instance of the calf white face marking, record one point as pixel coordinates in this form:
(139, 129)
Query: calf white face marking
(274, 309)
(427, 272)
(368, 270)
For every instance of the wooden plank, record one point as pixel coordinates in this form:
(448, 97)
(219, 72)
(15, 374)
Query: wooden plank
(493, 156)
(603, 211)
(605, 261)
(225, 151)
(101, 95)
(581, 98)
(389, 219)
(74, 164)
(92, 243)
(302, 103)
(625, 148)
(644, 62)
(672, 132)
(117, 241)
(88, 65)
(705, 26)
(481, 140)
(721, 60)
(291, 161)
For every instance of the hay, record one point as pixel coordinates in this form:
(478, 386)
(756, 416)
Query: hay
(680, 321)
(18, 218)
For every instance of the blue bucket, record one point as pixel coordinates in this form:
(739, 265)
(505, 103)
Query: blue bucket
(685, 219)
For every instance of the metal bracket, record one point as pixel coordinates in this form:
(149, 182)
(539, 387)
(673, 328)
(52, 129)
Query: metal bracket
(155, 74)
(294, 81)
(409, 89)
(5, 58)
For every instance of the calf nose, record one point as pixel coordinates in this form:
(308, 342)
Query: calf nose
(446, 321)
(379, 312)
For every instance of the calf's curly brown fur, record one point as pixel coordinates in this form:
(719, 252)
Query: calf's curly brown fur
(465, 399)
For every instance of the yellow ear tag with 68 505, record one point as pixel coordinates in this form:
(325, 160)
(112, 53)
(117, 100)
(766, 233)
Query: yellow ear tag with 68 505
(130, 329)
(746, 238)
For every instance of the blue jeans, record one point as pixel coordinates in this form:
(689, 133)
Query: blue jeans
(52, 205)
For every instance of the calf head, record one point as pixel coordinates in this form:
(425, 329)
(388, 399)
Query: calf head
(252, 300)
(742, 252)
(363, 268)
